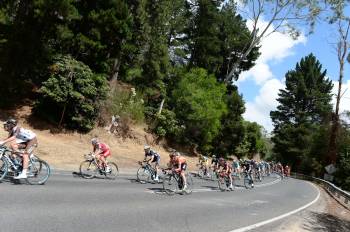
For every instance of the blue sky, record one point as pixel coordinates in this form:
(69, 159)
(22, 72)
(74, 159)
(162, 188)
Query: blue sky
(260, 85)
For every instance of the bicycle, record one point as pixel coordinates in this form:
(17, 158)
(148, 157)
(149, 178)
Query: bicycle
(248, 181)
(224, 182)
(90, 167)
(204, 172)
(38, 170)
(145, 173)
(173, 183)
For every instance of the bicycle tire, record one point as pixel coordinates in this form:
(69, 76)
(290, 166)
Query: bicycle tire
(200, 173)
(222, 183)
(89, 171)
(114, 171)
(170, 185)
(38, 172)
(189, 182)
(247, 182)
(143, 175)
(3, 168)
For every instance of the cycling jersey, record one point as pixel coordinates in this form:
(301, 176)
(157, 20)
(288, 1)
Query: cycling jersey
(22, 135)
(225, 166)
(151, 153)
(104, 148)
(179, 162)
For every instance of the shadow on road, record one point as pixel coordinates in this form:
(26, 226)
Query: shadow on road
(326, 222)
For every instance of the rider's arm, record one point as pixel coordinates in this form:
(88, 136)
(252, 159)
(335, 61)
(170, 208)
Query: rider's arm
(9, 139)
(179, 166)
(97, 151)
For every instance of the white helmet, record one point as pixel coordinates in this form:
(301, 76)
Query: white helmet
(146, 147)
(94, 141)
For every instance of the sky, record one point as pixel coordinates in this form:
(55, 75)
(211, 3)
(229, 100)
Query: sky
(279, 54)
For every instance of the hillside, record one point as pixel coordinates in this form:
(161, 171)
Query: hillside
(66, 150)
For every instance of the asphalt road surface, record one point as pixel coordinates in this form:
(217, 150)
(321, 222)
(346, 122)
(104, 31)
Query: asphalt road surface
(69, 203)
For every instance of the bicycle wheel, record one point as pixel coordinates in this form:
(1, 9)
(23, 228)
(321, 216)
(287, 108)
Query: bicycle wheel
(200, 172)
(38, 172)
(170, 185)
(189, 182)
(222, 183)
(247, 182)
(88, 169)
(143, 175)
(114, 171)
(3, 168)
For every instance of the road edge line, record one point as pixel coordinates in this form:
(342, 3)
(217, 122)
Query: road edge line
(259, 224)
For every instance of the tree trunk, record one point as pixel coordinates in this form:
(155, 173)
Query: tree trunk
(161, 106)
(115, 72)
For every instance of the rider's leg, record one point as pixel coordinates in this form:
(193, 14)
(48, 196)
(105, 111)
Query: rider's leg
(231, 180)
(157, 171)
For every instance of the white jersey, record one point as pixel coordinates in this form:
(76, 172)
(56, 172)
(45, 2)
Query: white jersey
(22, 134)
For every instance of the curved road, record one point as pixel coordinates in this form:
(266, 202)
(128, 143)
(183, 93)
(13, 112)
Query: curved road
(68, 203)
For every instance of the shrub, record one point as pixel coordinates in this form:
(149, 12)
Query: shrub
(72, 94)
(126, 103)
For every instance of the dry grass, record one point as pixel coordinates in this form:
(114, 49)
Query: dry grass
(66, 150)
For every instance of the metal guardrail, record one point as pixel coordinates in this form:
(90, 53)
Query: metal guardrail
(340, 195)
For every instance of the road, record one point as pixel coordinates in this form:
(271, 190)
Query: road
(70, 203)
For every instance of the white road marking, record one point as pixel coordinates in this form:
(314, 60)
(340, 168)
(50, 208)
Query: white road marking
(254, 226)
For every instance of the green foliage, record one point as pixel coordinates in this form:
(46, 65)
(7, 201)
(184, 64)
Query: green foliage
(218, 35)
(168, 125)
(199, 104)
(232, 128)
(72, 94)
(303, 107)
(126, 103)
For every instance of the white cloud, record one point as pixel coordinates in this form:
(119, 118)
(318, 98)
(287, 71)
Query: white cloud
(259, 110)
(345, 100)
(274, 48)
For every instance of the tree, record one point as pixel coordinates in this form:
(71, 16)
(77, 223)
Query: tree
(303, 106)
(199, 104)
(342, 49)
(216, 37)
(27, 33)
(232, 130)
(72, 94)
(280, 15)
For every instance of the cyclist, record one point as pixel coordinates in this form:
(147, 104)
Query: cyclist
(248, 168)
(236, 168)
(214, 162)
(153, 157)
(20, 138)
(204, 162)
(226, 169)
(179, 165)
(101, 151)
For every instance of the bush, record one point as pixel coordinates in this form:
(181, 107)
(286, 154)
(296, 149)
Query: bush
(126, 103)
(168, 125)
(71, 95)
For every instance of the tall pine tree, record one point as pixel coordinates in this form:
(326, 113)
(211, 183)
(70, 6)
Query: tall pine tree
(304, 105)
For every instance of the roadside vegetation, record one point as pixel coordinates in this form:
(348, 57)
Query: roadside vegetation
(170, 64)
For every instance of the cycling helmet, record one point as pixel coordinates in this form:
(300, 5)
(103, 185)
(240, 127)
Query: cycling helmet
(146, 147)
(214, 156)
(10, 123)
(94, 141)
(221, 160)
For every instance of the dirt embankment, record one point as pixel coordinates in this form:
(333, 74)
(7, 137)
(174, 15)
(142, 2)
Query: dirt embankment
(66, 150)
